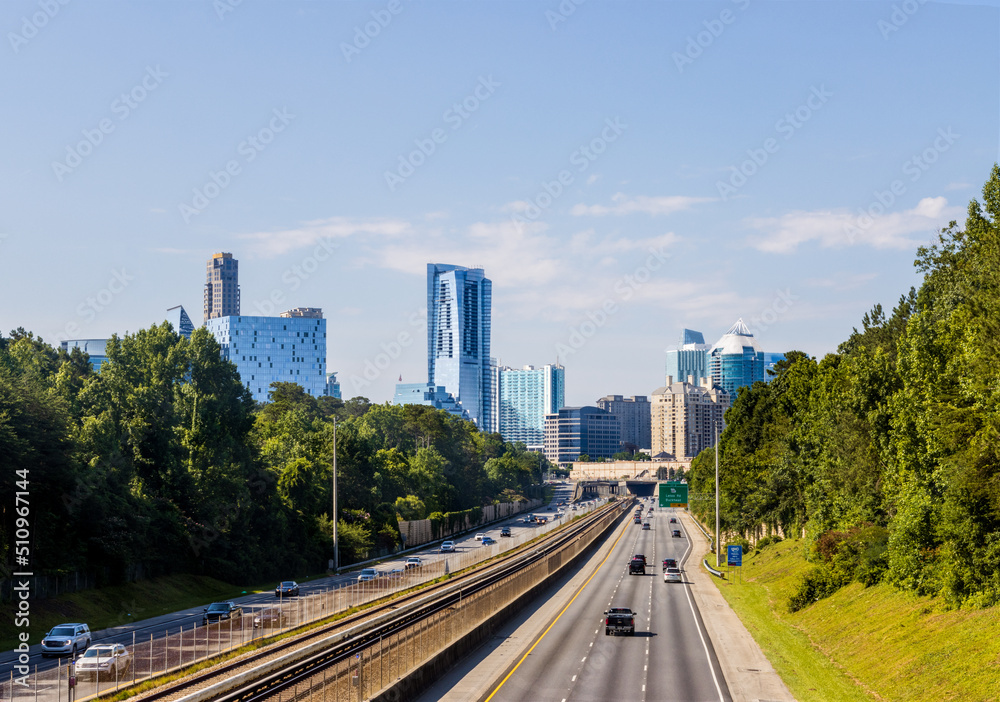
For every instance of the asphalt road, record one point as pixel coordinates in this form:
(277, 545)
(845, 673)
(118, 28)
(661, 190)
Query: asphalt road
(171, 623)
(669, 658)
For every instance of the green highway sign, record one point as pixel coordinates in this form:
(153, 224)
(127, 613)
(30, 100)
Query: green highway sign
(673, 494)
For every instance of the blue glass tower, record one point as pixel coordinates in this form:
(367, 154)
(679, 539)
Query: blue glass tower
(736, 360)
(526, 396)
(689, 359)
(459, 313)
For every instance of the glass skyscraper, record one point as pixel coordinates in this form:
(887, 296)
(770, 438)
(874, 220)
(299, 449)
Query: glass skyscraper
(459, 313)
(736, 360)
(180, 321)
(573, 431)
(526, 395)
(275, 349)
(689, 359)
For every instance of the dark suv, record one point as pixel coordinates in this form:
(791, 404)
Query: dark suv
(218, 611)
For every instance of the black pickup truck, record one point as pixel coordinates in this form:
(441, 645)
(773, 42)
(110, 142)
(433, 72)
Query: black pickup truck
(619, 620)
(637, 566)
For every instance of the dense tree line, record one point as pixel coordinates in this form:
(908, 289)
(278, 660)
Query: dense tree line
(163, 463)
(886, 453)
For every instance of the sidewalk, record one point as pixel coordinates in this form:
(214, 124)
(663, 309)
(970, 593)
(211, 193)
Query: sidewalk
(750, 676)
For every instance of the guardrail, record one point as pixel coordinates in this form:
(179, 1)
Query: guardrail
(713, 571)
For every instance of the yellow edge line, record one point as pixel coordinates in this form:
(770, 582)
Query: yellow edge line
(596, 570)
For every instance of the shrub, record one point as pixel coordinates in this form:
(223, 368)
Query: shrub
(818, 583)
(767, 541)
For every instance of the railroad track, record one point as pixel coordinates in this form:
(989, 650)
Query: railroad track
(330, 644)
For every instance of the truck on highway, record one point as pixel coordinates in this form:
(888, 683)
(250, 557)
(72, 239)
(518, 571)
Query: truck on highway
(619, 620)
(637, 566)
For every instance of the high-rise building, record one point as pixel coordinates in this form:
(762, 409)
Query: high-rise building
(265, 350)
(685, 417)
(428, 394)
(574, 431)
(633, 412)
(736, 360)
(459, 312)
(690, 359)
(525, 396)
(332, 386)
(222, 287)
(95, 348)
(770, 361)
(180, 321)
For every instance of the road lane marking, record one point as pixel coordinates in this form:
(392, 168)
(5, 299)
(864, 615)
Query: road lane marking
(558, 616)
(687, 591)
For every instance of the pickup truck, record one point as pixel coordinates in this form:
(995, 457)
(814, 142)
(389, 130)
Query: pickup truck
(619, 620)
(637, 566)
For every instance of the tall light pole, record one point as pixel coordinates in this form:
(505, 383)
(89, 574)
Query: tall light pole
(336, 550)
(716, 495)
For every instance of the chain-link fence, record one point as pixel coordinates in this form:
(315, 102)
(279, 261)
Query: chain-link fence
(159, 655)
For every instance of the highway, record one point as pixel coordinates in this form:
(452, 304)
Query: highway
(170, 623)
(669, 658)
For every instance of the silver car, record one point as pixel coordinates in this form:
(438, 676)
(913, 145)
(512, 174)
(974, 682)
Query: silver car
(107, 661)
(66, 638)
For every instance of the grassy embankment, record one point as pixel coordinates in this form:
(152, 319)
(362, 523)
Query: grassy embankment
(863, 643)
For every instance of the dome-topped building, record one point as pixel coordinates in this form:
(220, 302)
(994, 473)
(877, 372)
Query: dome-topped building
(736, 359)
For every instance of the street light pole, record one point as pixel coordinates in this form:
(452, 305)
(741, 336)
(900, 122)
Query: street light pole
(716, 495)
(336, 550)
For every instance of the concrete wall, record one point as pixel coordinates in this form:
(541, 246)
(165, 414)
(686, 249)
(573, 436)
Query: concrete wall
(621, 470)
(420, 531)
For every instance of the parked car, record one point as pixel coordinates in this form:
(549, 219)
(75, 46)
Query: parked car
(447, 547)
(505, 531)
(218, 611)
(672, 575)
(66, 638)
(270, 618)
(488, 541)
(108, 661)
(413, 562)
(367, 574)
(479, 536)
(287, 588)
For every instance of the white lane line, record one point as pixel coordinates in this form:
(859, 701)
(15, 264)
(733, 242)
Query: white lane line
(573, 679)
(708, 657)
(583, 660)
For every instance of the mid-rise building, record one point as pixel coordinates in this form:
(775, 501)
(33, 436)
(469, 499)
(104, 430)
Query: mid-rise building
(685, 417)
(332, 386)
(180, 321)
(736, 360)
(689, 361)
(633, 413)
(575, 431)
(428, 394)
(525, 396)
(266, 350)
(95, 348)
(222, 287)
(459, 314)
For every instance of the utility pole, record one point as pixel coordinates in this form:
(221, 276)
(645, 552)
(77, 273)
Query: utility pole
(716, 495)
(336, 550)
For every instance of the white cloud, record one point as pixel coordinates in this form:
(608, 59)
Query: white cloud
(836, 228)
(624, 204)
(271, 244)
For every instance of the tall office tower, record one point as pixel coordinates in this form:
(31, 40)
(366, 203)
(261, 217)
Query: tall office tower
(770, 361)
(685, 416)
(180, 321)
(290, 348)
(736, 359)
(573, 431)
(459, 309)
(222, 287)
(635, 419)
(690, 359)
(526, 395)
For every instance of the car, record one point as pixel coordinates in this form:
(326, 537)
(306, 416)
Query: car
(479, 536)
(447, 547)
(641, 557)
(488, 541)
(672, 575)
(573, 507)
(66, 638)
(367, 574)
(650, 509)
(219, 611)
(286, 588)
(676, 533)
(413, 562)
(269, 618)
(394, 574)
(645, 526)
(108, 661)
(504, 531)
(637, 566)
(669, 563)
(673, 520)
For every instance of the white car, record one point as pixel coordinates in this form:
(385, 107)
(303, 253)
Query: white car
(672, 575)
(367, 574)
(447, 547)
(108, 661)
(413, 562)
(479, 536)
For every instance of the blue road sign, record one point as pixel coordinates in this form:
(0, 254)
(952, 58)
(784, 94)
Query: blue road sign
(734, 555)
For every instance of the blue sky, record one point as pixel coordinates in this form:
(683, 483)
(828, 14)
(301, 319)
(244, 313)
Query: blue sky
(622, 170)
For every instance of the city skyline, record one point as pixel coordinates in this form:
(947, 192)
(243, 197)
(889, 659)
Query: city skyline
(630, 170)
